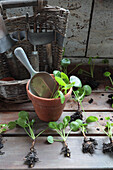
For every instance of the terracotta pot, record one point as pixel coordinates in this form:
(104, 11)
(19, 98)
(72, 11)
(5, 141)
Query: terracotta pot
(47, 109)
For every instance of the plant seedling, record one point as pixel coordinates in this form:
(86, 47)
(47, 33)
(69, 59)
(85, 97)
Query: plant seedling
(3, 128)
(64, 63)
(78, 97)
(24, 122)
(107, 147)
(61, 130)
(64, 84)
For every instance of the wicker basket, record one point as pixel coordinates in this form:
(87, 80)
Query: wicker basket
(48, 18)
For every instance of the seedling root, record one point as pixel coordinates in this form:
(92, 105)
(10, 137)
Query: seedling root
(89, 145)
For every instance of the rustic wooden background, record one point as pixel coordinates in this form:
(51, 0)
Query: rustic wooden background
(90, 28)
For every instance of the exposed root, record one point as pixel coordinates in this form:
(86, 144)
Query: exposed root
(65, 150)
(1, 145)
(76, 115)
(31, 158)
(89, 145)
(108, 147)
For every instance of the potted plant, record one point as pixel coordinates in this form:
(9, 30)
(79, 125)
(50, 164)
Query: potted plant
(50, 109)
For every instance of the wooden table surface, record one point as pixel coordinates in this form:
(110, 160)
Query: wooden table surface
(17, 143)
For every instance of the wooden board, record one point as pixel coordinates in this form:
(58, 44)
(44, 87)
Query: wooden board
(16, 148)
(99, 104)
(93, 128)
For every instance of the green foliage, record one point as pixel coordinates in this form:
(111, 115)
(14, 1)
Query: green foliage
(61, 128)
(3, 127)
(91, 119)
(64, 64)
(87, 89)
(91, 63)
(24, 122)
(108, 74)
(65, 84)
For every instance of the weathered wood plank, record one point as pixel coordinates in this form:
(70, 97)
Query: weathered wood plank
(16, 149)
(101, 35)
(93, 128)
(99, 104)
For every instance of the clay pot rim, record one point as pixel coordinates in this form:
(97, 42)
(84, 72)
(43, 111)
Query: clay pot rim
(42, 98)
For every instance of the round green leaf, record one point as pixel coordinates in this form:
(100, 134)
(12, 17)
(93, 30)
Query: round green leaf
(23, 115)
(91, 119)
(74, 126)
(76, 80)
(50, 139)
(87, 89)
(79, 121)
(3, 125)
(60, 126)
(65, 62)
(53, 125)
(21, 122)
(11, 125)
(57, 73)
(32, 122)
(107, 118)
(66, 120)
(107, 74)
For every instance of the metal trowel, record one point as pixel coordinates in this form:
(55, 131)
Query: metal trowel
(41, 83)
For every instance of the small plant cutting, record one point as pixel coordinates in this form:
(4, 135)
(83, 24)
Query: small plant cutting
(108, 130)
(3, 128)
(64, 84)
(64, 64)
(24, 122)
(110, 96)
(78, 97)
(91, 62)
(61, 130)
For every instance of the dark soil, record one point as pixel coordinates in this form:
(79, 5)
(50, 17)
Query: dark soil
(66, 151)
(92, 83)
(76, 115)
(31, 158)
(108, 147)
(110, 100)
(1, 145)
(89, 145)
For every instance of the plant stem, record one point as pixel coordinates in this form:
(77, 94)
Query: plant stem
(111, 80)
(74, 68)
(41, 133)
(102, 129)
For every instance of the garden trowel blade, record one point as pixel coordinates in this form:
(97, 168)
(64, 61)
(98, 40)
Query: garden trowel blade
(41, 38)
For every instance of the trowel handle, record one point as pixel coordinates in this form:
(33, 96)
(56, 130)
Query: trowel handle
(20, 54)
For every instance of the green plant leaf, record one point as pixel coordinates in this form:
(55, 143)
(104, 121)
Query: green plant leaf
(65, 62)
(60, 126)
(3, 125)
(57, 73)
(50, 139)
(91, 119)
(87, 89)
(68, 86)
(80, 71)
(23, 114)
(107, 118)
(79, 121)
(65, 78)
(32, 122)
(11, 125)
(66, 120)
(107, 74)
(62, 97)
(111, 124)
(90, 60)
(60, 81)
(74, 126)
(76, 80)
(53, 125)
(21, 122)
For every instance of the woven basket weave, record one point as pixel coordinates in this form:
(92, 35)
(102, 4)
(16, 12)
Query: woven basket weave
(49, 18)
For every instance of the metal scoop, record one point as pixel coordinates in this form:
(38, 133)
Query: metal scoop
(41, 84)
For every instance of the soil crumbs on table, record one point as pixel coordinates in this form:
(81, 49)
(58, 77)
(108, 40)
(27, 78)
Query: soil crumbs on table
(108, 147)
(89, 145)
(76, 115)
